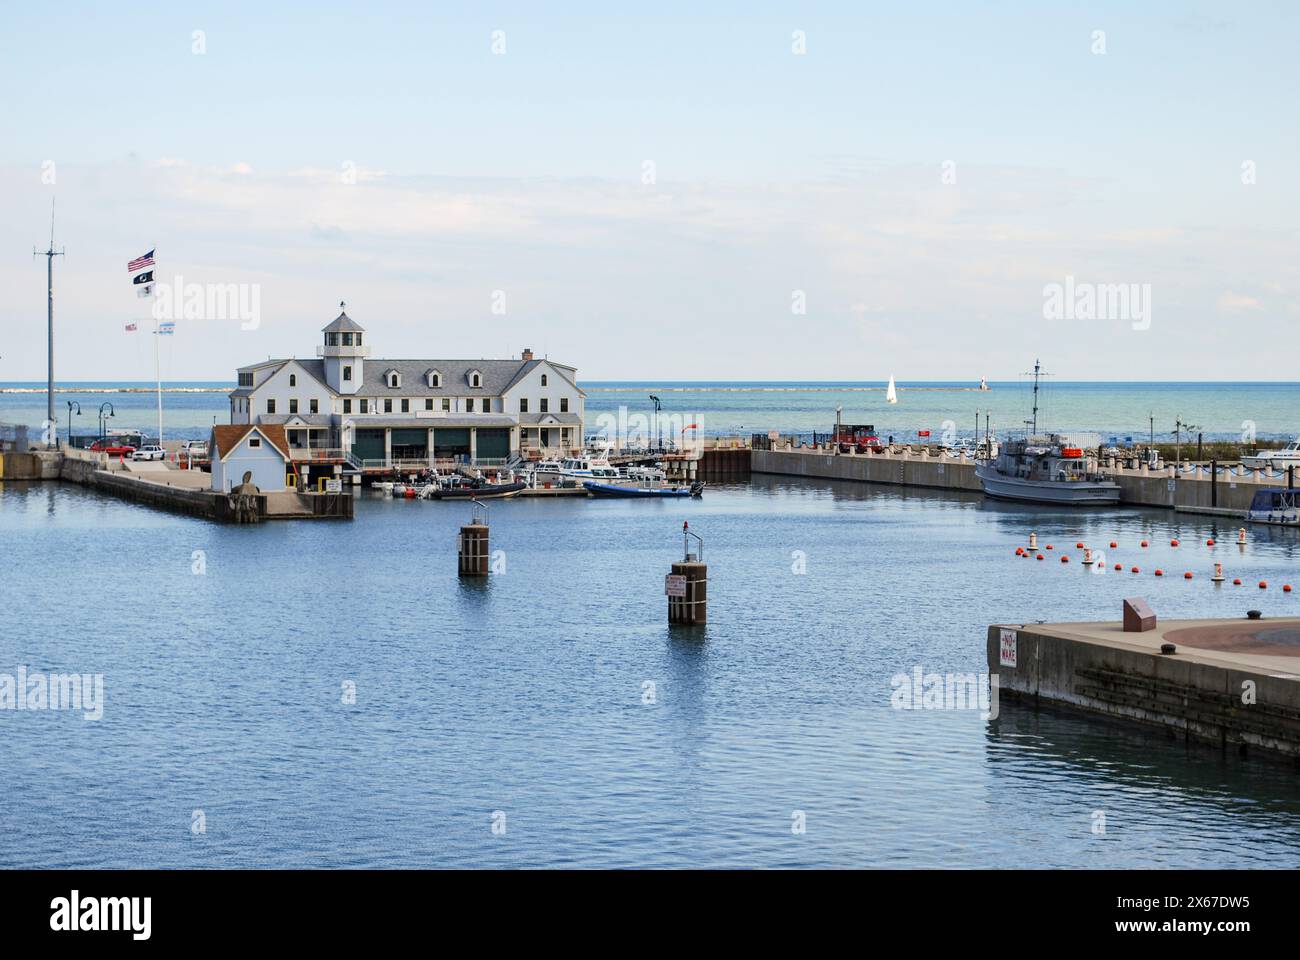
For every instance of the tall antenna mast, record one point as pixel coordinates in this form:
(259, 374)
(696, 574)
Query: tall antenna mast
(1037, 373)
(51, 425)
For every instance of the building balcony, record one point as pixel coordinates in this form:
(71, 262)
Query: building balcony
(351, 352)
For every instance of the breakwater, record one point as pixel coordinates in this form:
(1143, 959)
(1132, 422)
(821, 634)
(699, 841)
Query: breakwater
(1187, 488)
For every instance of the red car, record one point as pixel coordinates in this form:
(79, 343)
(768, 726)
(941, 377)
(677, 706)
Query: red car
(113, 448)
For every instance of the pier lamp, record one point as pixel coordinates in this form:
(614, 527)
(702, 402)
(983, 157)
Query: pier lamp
(658, 406)
(71, 404)
(111, 413)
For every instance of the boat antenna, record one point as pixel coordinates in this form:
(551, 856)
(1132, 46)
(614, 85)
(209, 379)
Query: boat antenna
(1038, 372)
(49, 255)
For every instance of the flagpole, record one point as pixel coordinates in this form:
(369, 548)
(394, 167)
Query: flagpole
(157, 371)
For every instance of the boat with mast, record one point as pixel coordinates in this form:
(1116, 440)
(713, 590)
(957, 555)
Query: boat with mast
(891, 394)
(1046, 468)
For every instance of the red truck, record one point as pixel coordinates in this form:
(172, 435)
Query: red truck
(857, 436)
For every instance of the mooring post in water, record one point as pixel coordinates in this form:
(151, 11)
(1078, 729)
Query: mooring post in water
(1214, 483)
(687, 586)
(472, 543)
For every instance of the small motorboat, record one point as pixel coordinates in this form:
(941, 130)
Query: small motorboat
(631, 492)
(1280, 507)
(472, 491)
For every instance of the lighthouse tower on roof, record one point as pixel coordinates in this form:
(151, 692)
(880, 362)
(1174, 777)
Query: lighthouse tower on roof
(343, 353)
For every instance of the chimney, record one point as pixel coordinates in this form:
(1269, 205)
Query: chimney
(528, 353)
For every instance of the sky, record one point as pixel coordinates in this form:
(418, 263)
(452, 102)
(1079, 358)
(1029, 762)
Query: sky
(726, 191)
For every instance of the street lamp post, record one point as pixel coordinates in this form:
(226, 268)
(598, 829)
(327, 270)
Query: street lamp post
(111, 413)
(71, 404)
(658, 406)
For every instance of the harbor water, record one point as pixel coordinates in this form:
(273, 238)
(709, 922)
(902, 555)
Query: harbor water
(332, 694)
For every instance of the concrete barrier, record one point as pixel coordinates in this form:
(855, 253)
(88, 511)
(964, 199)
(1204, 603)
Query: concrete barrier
(1218, 696)
(1223, 494)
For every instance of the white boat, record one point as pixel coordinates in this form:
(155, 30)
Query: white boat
(1045, 469)
(891, 394)
(1280, 507)
(590, 468)
(650, 474)
(984, 383)
(1048, 468)
(1288, 456)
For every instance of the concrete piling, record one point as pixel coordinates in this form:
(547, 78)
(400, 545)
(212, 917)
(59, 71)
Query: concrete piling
(687, 585)
(472, 544)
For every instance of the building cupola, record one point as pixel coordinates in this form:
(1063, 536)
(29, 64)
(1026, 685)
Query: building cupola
(344, 353)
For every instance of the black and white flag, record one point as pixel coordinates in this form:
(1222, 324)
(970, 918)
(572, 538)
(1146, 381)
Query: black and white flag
(146, 277)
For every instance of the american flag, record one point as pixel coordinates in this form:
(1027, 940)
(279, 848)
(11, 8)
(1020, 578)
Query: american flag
(130, 327)
(139, 263)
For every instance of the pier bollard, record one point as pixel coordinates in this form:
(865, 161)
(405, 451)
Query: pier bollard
(472, 544)
(687, 586)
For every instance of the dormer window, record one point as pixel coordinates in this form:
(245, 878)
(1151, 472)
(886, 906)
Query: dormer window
(393, 379)
(433, 378)
(475, 378)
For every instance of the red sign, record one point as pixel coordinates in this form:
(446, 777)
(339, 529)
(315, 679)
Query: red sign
(923, 433)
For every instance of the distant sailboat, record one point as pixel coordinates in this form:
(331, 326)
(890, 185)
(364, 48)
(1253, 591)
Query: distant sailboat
(984, 383)
(891, 395)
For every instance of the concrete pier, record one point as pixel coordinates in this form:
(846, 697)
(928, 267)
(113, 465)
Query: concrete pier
(1174, 488)
(164, 487)
(1229, 683)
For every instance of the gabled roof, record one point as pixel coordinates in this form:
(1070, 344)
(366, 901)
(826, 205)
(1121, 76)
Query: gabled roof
(225, 437)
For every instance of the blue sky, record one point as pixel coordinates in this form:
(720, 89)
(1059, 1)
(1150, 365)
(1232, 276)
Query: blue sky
(522, 172)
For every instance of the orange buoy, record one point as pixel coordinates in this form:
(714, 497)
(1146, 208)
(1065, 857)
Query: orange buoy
(1065, 559)
(1144, 543)
(1049, 546)
(1210, 542)
(1019, 551)
(1236, 581)
(1173, 543)
(1113, 544)
(1188, 575)
(1040, 557)
(1159, 572)
(1136, 570)
(1286, 588)
(1263, 584)
(1119, 566)
(1079, 545)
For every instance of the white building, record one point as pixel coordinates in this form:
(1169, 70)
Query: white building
(384, 411)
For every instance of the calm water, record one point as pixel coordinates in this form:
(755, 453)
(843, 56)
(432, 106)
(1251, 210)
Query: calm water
(524, 694)
(1222, 411)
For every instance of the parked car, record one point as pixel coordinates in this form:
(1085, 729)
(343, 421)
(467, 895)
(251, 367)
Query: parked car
(114, 448)
(150, 451)
(195, 449)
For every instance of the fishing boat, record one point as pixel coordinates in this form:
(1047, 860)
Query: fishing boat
(629, 491)
(1288, 456)
(1046, 468)
(891, 394)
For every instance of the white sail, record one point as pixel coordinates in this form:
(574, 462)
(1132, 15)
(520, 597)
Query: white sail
(891, 395)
